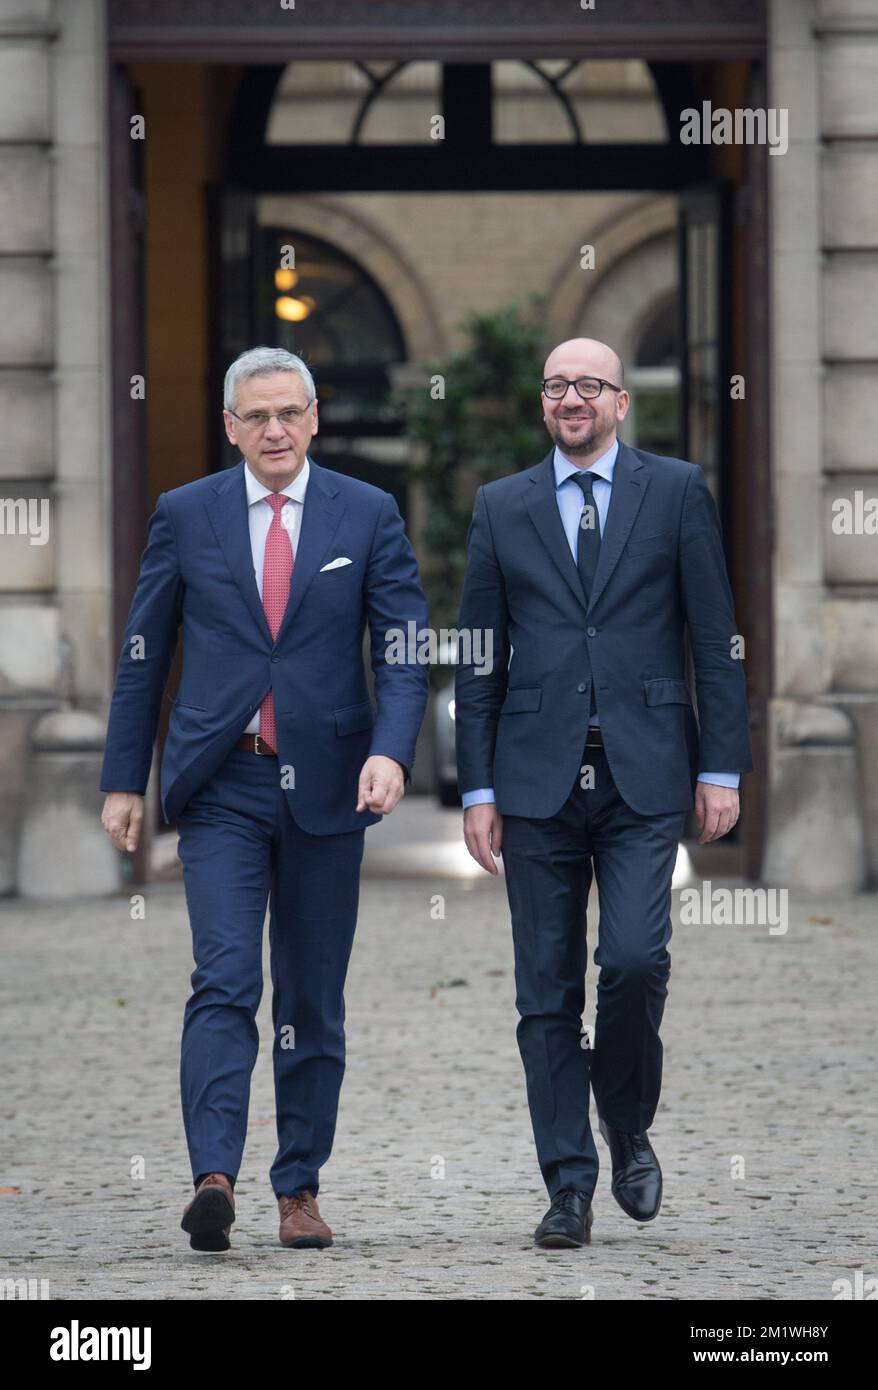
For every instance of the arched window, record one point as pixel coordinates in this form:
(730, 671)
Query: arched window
(546, 101)
(570, 101)
(313, 299)
(354, 103)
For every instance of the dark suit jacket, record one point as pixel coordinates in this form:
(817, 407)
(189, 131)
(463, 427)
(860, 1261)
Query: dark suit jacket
(661, 572)
(197, 570)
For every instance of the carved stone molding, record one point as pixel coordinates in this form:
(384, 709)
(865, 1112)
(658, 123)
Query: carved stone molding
(418, 14)
(262, 31)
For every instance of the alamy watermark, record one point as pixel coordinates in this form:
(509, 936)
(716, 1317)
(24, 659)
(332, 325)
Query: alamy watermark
(717, 125)
(707, 906)
(430, 646)
(25, 516)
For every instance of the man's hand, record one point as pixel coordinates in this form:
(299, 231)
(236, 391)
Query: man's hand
(381, 784)
(483, 833)
(716, 810)
(122, 818)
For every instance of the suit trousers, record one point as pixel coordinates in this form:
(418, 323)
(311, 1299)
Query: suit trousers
(549, 865)
(241, 850)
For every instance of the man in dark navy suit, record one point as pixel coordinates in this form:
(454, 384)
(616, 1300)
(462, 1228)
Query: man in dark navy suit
(274, 764)
(580, 753)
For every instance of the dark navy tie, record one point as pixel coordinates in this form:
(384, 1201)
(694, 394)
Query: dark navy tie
(588, 539)
(588, 547)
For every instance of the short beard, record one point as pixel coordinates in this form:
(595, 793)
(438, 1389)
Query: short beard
(586, 444)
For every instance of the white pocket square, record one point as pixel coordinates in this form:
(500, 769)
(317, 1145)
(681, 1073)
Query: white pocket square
(336, 564)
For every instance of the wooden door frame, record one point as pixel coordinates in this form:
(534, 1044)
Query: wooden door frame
(128, 463)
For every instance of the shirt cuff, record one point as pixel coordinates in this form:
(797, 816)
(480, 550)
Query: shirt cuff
(478, 798)
(720, 779)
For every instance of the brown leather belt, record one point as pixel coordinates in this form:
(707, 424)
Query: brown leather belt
(254, 743)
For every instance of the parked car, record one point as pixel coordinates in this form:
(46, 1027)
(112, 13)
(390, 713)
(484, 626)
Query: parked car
(445, 761)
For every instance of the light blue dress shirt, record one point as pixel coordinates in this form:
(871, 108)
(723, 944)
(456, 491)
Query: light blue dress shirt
(569, 498)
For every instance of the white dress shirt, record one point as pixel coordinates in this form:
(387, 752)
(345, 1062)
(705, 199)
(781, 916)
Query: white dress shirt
(259, 515)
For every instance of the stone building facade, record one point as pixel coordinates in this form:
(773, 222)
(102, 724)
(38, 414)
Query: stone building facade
(55, 611)
(59, 336)
(823, 827)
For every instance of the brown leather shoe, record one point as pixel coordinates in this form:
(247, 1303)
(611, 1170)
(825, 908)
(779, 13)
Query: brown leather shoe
(301, 1225)
(208, 1217)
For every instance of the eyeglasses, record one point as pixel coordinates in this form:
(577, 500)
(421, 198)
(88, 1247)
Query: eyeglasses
(587, 387)
(259, 420)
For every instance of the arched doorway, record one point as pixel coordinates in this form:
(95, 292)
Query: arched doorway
(692, 55)
(311, 297)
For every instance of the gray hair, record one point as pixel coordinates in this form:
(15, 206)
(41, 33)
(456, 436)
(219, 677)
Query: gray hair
(261, 361)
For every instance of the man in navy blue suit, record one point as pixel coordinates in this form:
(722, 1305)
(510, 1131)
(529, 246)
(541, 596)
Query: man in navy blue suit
(275, 763)
(580, 753)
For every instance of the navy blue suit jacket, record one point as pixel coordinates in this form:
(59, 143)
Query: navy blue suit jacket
(197, 571)
(661, 572)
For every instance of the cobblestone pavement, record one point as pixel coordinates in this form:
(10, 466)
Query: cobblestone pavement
(766, 1130)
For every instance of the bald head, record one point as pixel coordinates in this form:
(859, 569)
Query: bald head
(585, 357)
(584, 427)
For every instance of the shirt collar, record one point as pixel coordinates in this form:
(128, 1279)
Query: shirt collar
(602, 467)
(296, 489)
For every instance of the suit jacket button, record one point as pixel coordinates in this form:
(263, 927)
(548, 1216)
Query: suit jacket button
(592, 631)
(581, 688)
(275, 657)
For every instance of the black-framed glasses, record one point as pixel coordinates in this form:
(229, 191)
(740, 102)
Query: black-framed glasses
(259, 419)
(587, 387)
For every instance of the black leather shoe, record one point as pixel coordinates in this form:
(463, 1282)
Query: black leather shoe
(637, 1177)
(567, 1222)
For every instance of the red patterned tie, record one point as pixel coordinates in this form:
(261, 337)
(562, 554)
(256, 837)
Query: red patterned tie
(276, 574)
